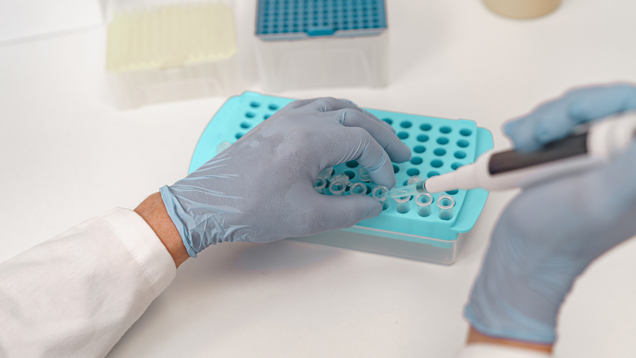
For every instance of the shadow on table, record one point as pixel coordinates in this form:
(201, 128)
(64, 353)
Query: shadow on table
(283, 255)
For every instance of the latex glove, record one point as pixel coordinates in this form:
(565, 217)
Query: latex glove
(261, 189)
(551, 232)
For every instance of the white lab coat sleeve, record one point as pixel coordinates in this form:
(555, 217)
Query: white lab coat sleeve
(478, 350)
(76, 294)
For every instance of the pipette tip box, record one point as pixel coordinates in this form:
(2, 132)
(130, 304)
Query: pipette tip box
(439, 146)
(170, 50)
(312, 43)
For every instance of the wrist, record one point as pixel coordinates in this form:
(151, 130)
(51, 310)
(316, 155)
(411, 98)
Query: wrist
(475, 337)
(514, 312)
(153, 211)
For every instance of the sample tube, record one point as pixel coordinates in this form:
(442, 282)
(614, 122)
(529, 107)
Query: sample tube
(342, 178)
(326, 173)
(414, 179)
(337, 188)
(364, 174)
(403, 204)
(358, 188)
(413, 189)
(424, 203)
(445, 205)
(222, 146)
(321, 185)
(379, 194)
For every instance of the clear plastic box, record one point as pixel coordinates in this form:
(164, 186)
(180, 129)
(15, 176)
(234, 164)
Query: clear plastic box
(439, 146)
(421, 249)
(160, 51)
(314, 43)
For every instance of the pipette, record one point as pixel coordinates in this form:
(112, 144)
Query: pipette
(513, 169)
(404, 191)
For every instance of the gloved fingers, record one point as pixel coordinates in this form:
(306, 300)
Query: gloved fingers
(301, 103)
(359, 145)
(327, 104)
(596, 206)
(297, 104)
(388, 126)
(339, 212)
(598, 102)
(556, 119)
(598, 196)
(392, 145)
(320, 104)
(372, 116)
(614, 184)
(385, 124)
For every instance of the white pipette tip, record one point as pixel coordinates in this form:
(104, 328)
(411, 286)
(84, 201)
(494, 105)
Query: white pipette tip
(462, 178)
(440, 183)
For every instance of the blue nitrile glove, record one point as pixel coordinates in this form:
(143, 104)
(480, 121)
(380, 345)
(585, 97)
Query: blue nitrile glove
(552, 231)
(261, 189)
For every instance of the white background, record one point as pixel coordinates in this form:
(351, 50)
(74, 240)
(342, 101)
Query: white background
(38, 19)
(66, 155)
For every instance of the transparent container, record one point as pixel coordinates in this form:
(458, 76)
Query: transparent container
(421, 248)
(159, 51)
(302, 44)
(439, 146)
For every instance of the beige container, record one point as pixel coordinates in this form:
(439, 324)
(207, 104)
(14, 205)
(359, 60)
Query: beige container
(170, 50)
(522, 9)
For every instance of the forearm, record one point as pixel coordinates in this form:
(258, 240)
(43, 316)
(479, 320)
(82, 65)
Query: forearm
(76, 294)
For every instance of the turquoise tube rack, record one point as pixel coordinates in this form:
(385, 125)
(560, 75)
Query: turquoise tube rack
(439, 145)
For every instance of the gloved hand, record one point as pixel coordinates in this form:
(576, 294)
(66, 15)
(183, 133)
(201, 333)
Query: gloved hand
(261, 189)
(551, 232)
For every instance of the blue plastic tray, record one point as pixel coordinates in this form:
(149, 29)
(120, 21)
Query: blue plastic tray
(439, 146)
(298, 19)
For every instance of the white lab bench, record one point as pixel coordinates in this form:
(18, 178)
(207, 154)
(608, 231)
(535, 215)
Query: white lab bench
(66, 155)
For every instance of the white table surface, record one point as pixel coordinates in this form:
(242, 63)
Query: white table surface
(66, 155)
(38, 19)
